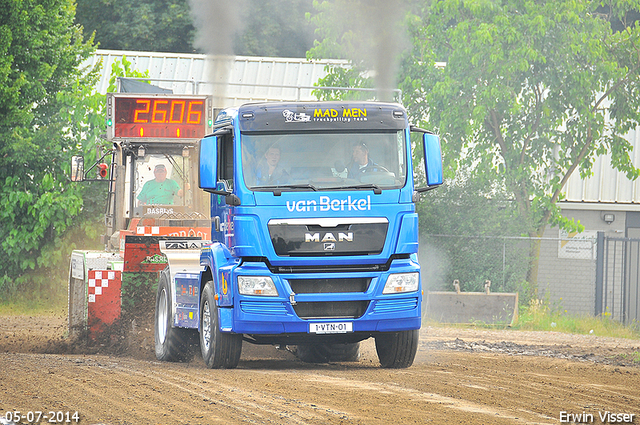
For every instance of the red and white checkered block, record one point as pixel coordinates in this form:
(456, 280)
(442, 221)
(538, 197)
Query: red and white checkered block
(148, 230)
(104, 299)
(98, 281)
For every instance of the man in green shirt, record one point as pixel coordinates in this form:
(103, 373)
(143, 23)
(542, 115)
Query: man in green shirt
(161, 190)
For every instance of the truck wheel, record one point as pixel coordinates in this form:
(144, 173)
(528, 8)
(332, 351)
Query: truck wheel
(397, 349)
(324, 353)
(172, 344)
(219, 350)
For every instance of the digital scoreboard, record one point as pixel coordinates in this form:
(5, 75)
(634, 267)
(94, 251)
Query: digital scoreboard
(158, 116)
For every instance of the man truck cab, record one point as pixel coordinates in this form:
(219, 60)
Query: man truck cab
(314, 235)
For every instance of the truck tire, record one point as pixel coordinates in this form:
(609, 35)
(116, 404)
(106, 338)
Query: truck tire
(397, 349)
(324, 353)
(172, 344)
(220, 350)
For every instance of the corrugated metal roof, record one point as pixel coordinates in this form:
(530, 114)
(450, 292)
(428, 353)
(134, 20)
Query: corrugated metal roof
(607, 185)
(250, 78)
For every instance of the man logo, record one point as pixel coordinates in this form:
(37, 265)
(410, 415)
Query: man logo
(329, 237)
(329, 246)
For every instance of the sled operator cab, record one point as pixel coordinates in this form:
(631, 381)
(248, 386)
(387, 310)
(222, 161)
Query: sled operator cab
(151, 173)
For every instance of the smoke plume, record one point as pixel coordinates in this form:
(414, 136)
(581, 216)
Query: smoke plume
(378, 37)
(373, 35)
(216, 23)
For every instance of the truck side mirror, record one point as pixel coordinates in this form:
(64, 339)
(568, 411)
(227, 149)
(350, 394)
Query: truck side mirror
(432, 159)
(77, 168)
(208, 158)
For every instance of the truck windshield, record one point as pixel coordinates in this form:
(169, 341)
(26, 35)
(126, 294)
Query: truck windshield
(324, 161)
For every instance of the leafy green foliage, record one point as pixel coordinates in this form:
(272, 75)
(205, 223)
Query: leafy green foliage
(123, 69)
(138, 291)
(43, 270)
(337, 38)
(531, 92)
(470, 233)
(274, 28)
(338, 76)
(266, 27)
(156, 25)
(369, 34)
(41, 98)
(469, 207)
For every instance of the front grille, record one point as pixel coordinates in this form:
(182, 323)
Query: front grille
(319, 237)
(323, 286)
(331, 309)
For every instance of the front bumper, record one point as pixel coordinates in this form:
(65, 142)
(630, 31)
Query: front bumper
(368, 311)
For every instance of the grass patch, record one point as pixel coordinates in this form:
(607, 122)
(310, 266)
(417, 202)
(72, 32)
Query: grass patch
(633, 357)
(542, 316)
(32, 308)
(37, 302)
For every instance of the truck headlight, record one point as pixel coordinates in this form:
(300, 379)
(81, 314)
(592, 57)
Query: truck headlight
(257, 285)
(401, 282)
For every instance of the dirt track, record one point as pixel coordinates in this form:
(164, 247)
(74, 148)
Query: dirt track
(459, 376)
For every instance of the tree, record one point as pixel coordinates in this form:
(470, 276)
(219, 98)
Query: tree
(145, 25)
(532, 92)
(368, 33)
(45, 110)
(274, 28)
(257, 27)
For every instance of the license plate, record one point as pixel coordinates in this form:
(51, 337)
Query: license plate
(331, 328)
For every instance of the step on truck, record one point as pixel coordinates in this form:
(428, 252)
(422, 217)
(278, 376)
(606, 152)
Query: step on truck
(314, 236)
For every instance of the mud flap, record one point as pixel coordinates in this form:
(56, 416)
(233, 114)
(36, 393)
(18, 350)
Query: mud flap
(225, 315)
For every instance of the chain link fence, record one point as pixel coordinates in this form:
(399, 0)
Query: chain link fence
(564, 267)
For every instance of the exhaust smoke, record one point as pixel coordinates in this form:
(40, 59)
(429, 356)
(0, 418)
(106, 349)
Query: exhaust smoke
(375, 36)
(216, 24)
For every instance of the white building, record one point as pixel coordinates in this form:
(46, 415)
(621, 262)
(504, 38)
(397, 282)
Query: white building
(248, 78)
(606, 202)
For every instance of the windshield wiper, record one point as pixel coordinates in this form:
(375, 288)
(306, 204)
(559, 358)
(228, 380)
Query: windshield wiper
(376, 189)
(277, 190)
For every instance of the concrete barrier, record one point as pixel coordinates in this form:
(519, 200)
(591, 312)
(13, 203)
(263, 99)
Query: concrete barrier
(472, 307)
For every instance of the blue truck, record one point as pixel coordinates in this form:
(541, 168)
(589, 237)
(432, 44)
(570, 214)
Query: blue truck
(314, 236)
